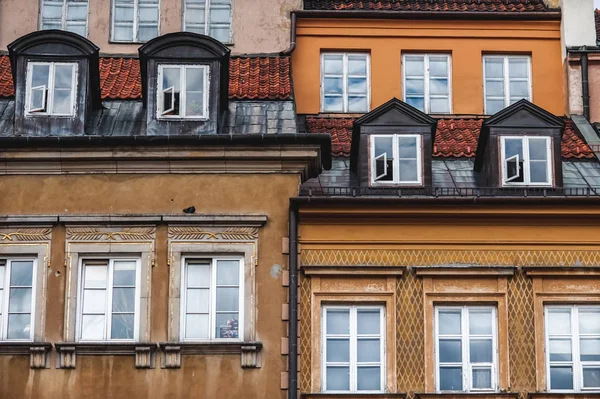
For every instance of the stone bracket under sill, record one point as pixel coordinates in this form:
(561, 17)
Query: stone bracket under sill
(37, 351)
(68, 351)
(468, 395)
(326, 395)
(249, 352)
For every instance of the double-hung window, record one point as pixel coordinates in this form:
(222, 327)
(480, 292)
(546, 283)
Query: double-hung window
(526, 160)
(426, 82)
(110, 300)
(51, 88)
(135, 20)
(573, 348)
(507, 80)
(396, 159)
(69, 15)
(208, 17)
(353, 349)
(17, 299)
(182, 91)
(466, 349)
(344, 82)
(213, 299)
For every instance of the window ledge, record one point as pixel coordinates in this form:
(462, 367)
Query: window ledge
(464, 270)
(562, 271)
(143, 352)
(324, 395)
(37, 351)
(564, 395)
(344, 270)
(467, 395)
(248, 351)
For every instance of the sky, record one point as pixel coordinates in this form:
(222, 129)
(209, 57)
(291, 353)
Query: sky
(597, 3)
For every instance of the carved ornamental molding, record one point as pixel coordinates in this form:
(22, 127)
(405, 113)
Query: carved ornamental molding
(110, 234)
(26, 234)
(200, 233)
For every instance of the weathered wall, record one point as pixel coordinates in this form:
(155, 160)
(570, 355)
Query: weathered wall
(573, 81)
(201, 376)
(467, 41)
(258, 26)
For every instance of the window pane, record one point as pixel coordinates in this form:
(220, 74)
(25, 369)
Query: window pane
(228, 299)
(559, 321)
(2, 268)
(451, 379)
(357, 85)
(338, 350)
(494, 88)
(357, 104)
(219, 15)
(417, 102)
(171, 78)
(384, 145)
(439, 105)
(560, 350)
(39, 75)
(94, 301)
(591, 377)
(415, 86)
(357, 65)
(194, 16)
(122, 326)
(438, 66)
(493, 106)
(19, 326)
(414, 66)
(77, 28)
(407, 147)
(227, 325)
(589, 320)
(449, 322)
(408, 170)
(124, 274)
(517, 67)
(590, 349)
(538, 171)
(338, 378)
(519, 89)
(148, 14)
(194, 79)
(494, 67)
(21, 274)
(368, 378)
(333, 85)
(220, 33)
(52, 10)
(95, 276)
(77, 11)
(228, 272)
(123, 11)
(513, 147)
(333, 104)
(561, 377)
(147, 32)
(123, 33)
(92, 327)
(450, 351)
(368, 350)
(338, 321)
(198, 275)
(480, 322)
(538, 149)
(333, 64)
(367, 321)
(197, 300)
(62, 102)
(194, 104)
(438, 86)
(481, 351)
(19, 300)
(123, 300)
(482, 378)
(196, 326)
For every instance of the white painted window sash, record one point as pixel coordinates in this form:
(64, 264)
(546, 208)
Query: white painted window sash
(353, 338)
(345, 76)
(5, 298)
(190, 6)
(65, 22)
(506, 181)
(136, 23)
(426, 76)
(212, 299)
(465, 338)
(574, 336)
(161, 113)
(396, 160)
(49, 91)
(506, 79)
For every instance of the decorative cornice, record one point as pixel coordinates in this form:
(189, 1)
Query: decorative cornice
(102, 234)
(216, 234)
(26, 234)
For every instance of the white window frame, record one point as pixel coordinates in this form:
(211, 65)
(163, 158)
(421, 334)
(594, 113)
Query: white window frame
(507, 79)
(396, 174)
(49, 99)
(207, 23)
(109, 299)
(575, 336)
(345, 80)
(136, 22)
(64, 14)
(466, 366)
(352, 336)
(213, 297)
(6, 261)
(182, 94)
(526, 162)
(426, 78)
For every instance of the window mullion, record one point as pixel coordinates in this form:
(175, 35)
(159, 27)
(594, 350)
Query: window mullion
(526, 174)
(396, 163)
(50, 96)
(353, 350)
(182, 90)
(345, 81)
(506, 83)
(136, 18)
(6, 299)
(207, 17)
(577, 369)
(213, 297)
(64, 15)
(465, 339)
(426, 76)
(108, 311)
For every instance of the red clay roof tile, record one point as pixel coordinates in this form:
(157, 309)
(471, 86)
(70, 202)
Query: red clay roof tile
(597, 19)
(429, 5)
(250, 78)
(453, 138)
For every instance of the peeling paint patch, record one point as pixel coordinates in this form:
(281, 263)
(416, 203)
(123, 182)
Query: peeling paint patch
(276, 271)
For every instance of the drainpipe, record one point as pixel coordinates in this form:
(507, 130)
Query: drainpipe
(293, 304)
(585, 84)
(292, 47)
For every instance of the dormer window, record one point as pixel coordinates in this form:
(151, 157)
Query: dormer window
(396, 159)
(526, 161)
(51, 88)
(182, 91)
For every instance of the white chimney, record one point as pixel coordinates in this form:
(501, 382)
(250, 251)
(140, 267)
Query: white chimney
(578, 26)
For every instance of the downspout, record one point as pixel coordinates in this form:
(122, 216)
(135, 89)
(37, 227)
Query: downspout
(292, 47)
(293, 304)
(585, 84)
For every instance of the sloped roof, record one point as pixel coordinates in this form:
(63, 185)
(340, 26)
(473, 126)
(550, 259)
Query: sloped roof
(429, 5)
(597, 19)
(250, 78)
(455, 138)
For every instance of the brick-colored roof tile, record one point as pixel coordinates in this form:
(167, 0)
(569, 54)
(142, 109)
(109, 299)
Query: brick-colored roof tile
(429, 5)
(250, 78)
(453, 138)
(597, 19)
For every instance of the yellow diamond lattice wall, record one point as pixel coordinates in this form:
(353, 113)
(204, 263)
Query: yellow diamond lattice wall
(305, 329)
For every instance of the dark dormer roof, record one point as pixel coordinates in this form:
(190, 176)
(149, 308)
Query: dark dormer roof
(483, 6)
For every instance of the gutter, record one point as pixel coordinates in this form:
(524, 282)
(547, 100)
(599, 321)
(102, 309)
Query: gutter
(292, 47)
(431, 15)
(293, 303)
(463, 201)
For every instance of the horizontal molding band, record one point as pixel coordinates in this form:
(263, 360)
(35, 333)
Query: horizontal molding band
(250, 220)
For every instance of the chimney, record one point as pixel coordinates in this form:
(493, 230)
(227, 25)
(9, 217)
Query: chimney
(578, 26)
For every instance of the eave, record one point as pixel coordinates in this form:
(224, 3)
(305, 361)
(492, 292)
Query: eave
(428, 15)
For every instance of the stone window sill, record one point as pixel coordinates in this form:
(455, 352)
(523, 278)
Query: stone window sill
(143, 352)
(248, 351)
(468, 395)
(325, 395)
(37, 352)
